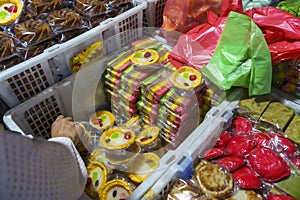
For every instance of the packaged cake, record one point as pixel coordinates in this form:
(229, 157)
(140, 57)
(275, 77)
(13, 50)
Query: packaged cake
(116, 189)
(97, 178)
(102, 120)
(10, 11)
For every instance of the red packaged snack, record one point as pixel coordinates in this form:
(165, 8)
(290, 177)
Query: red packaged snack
(261, 140)
(241, 126)
(231, 163)
(283, 144)
(213, 153)
(280, 197)
(246, 178)
(269, 165)
(223, 139)
(240, 146)
(296, 161)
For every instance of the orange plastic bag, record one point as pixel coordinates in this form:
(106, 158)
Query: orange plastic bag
(182, 16)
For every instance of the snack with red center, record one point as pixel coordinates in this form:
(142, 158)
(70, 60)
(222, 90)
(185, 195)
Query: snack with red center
(240, 146)
(148, 138)
(97, 177)
(246, 178)
(102, 120)
(231, 163)
(269, 165)
(119, 144)
(242, 126)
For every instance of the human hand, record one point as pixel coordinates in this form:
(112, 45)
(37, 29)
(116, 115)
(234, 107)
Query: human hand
(65, 127)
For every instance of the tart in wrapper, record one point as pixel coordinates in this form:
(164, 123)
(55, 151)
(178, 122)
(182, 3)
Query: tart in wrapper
(97, 177)
(145, 164)
(116, 189)
(102, 120)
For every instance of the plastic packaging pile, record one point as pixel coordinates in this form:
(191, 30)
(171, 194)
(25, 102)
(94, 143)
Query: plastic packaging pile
(41, 24)
(252, 159)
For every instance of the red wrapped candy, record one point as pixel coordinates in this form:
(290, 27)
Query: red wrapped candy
(246, 178)
(240, 145)
(261, 140)
(280, 197)
(213, 153)
(223, 139)
(241, 126)
(269, 165)
(283, 144)
(231, 163)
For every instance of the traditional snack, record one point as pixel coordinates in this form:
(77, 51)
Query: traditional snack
(245, 195)
(64, 19)
(97, 177)
(32, 31)
(102, 120)
(41, 8)
(90, 8)
(213, 180)
(116, 189)
(277, 114)
(293, 129)
(186, 78)
(184, 189)
(148, 137)
(8, 46)
(254, 106)
(10, 10)
(143, 167)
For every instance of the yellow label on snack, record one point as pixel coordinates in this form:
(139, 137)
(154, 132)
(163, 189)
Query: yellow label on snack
(10, 10)
(145, 57)
(117, 138)
(186, 78)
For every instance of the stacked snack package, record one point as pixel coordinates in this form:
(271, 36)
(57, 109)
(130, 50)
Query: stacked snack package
(286, 76)
(255, 157)
(31, 26)
(142, 82)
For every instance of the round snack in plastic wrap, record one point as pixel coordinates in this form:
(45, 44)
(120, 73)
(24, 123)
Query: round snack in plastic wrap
(90, 8)
(143, 167)
(10, 10)
(186, 78)
(145, 57)
(98, 155)
(184, 189)
(102, 120)
(120, 145)
(245, 195)
(148, 138)
(64, 19)
(116, 189)
(97, 177)
(213, 180)
(32, 31)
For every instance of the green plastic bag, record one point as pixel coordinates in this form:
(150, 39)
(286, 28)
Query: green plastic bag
(241, 58)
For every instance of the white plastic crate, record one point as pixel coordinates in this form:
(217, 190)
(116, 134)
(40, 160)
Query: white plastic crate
(203, 139)
(153, 15)
(32, 76)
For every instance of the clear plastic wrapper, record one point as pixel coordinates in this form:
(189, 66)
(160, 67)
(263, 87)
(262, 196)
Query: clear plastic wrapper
(119, 5)
(9, 54)
(41, 8)
(32, 32)
(183, 189)
(90, 8)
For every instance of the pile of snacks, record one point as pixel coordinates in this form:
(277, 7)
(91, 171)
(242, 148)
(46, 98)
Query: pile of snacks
(42, 24)
(252, 159)
(142, 82)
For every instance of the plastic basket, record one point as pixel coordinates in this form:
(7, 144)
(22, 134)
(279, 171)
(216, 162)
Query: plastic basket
(216, 120)
(153, 15)
(30, 77)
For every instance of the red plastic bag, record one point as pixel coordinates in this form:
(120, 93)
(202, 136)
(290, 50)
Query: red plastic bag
(182, 16)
